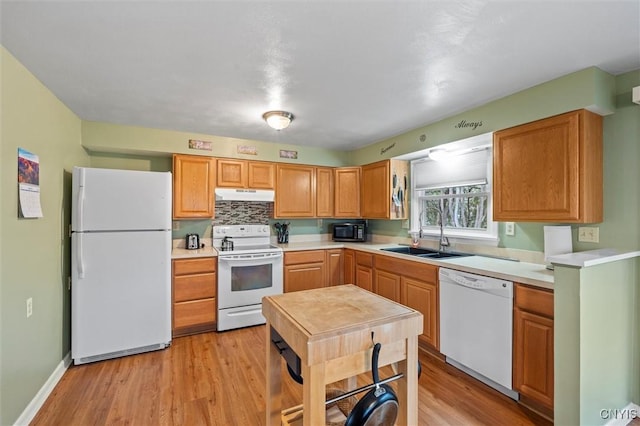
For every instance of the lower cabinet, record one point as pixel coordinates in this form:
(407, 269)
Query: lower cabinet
(533, 345)
(335, 266)
(387, 284)
(304, 270)
(415, 285)
(349, 261)
(194, 295)
(423, 297)
(364, 270)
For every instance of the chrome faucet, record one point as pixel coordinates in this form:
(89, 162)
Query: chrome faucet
(444, 241)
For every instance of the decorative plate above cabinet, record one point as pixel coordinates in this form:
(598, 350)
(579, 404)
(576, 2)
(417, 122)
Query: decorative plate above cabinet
(549, 170)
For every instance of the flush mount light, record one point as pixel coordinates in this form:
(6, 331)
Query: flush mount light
(278, 119)
(440, 154)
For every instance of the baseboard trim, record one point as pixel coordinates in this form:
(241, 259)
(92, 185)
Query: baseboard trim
(38, 400)
(625, 415)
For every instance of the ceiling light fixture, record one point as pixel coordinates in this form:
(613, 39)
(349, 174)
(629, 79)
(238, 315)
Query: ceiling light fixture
(278, 119)
(440, 154)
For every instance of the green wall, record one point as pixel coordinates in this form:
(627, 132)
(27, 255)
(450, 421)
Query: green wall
(34, 257)
(597, 341)
(105, 138)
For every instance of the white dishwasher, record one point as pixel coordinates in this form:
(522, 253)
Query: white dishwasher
(476, 327)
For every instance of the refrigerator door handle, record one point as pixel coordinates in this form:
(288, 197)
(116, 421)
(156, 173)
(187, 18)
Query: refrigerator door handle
(79, 258)
(80, 208)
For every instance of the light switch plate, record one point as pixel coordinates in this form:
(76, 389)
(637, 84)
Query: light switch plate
(510, 229)
(589, 234)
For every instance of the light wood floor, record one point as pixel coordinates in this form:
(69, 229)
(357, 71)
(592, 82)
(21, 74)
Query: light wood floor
(219, 379)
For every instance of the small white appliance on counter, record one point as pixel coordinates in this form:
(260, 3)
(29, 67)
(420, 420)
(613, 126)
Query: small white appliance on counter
(249, 268)
(121, 263)
(476, 327)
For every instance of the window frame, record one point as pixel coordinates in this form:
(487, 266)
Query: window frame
(488, 236)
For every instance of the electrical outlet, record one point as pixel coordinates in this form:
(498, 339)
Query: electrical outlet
(29, 307)
(589, 234)
(510, 229)
(319, 223)
(406, 224)
(176, 225)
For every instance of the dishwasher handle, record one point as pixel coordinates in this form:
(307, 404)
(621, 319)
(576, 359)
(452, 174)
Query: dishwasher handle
(478, 282)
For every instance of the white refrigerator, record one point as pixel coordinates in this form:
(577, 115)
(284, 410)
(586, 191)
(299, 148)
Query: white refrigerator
(121, 263)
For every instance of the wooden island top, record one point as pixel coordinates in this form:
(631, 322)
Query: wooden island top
(332, 330)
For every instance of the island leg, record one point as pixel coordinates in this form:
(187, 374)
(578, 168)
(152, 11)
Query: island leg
(408, 385)
(313, 389)
(274, 383)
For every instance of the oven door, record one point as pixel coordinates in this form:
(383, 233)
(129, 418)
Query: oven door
(244, 279)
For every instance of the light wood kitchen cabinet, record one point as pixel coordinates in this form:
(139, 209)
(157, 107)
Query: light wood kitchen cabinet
(386, 284)
(193, 185)
(364, 270)
(385, 190)
(549, 170)
(347, 192)
(335, 266)
(261, 175)
(533, 345)
(194, 295)
(245, 174)
(349, 266)
(422, 295)
(295, 191)
(304, 270)
(324, 192)
(416, 286)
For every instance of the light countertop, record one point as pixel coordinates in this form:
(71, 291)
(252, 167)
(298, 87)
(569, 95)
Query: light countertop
(522, 272)
(183, 253)
(584, 259)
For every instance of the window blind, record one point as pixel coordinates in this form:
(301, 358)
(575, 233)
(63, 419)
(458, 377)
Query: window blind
(465, 169)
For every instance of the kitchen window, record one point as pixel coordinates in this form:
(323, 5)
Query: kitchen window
(453, 184)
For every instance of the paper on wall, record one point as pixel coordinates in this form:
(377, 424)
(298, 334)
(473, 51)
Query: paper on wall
(29, 184)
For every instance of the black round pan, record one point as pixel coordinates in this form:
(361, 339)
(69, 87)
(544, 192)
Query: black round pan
(379, 406)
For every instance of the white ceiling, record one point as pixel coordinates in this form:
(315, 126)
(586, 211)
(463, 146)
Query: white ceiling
(352, 72)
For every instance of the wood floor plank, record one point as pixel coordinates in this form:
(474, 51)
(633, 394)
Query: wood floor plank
(220, 379)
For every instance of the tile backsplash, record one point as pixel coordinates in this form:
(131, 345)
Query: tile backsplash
(241, 212)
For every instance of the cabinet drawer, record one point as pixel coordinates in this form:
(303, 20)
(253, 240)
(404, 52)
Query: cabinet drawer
(534, 300)
(194, 266)
(408, 268)
(191, 287)
(196, 312)
(364, 259)
(309, 256)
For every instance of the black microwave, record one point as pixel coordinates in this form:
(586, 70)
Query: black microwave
(350, 231)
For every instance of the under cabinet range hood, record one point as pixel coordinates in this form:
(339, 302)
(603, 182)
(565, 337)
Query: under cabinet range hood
(240, 194)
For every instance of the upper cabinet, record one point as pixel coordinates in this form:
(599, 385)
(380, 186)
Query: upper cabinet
(549, 170)
(295, 191)
(385, 189)
(193, 184)
(245, 174)
(347, 192)
(324, 192)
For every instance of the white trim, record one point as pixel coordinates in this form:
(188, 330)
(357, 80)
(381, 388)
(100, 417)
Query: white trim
(38, 400)
(624, 420)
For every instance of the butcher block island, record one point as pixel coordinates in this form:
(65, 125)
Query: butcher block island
(333, 330)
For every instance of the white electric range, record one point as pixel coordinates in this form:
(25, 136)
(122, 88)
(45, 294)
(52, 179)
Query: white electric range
(249, 268)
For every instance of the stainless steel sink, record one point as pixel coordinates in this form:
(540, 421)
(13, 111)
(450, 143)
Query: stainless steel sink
(426, 253)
